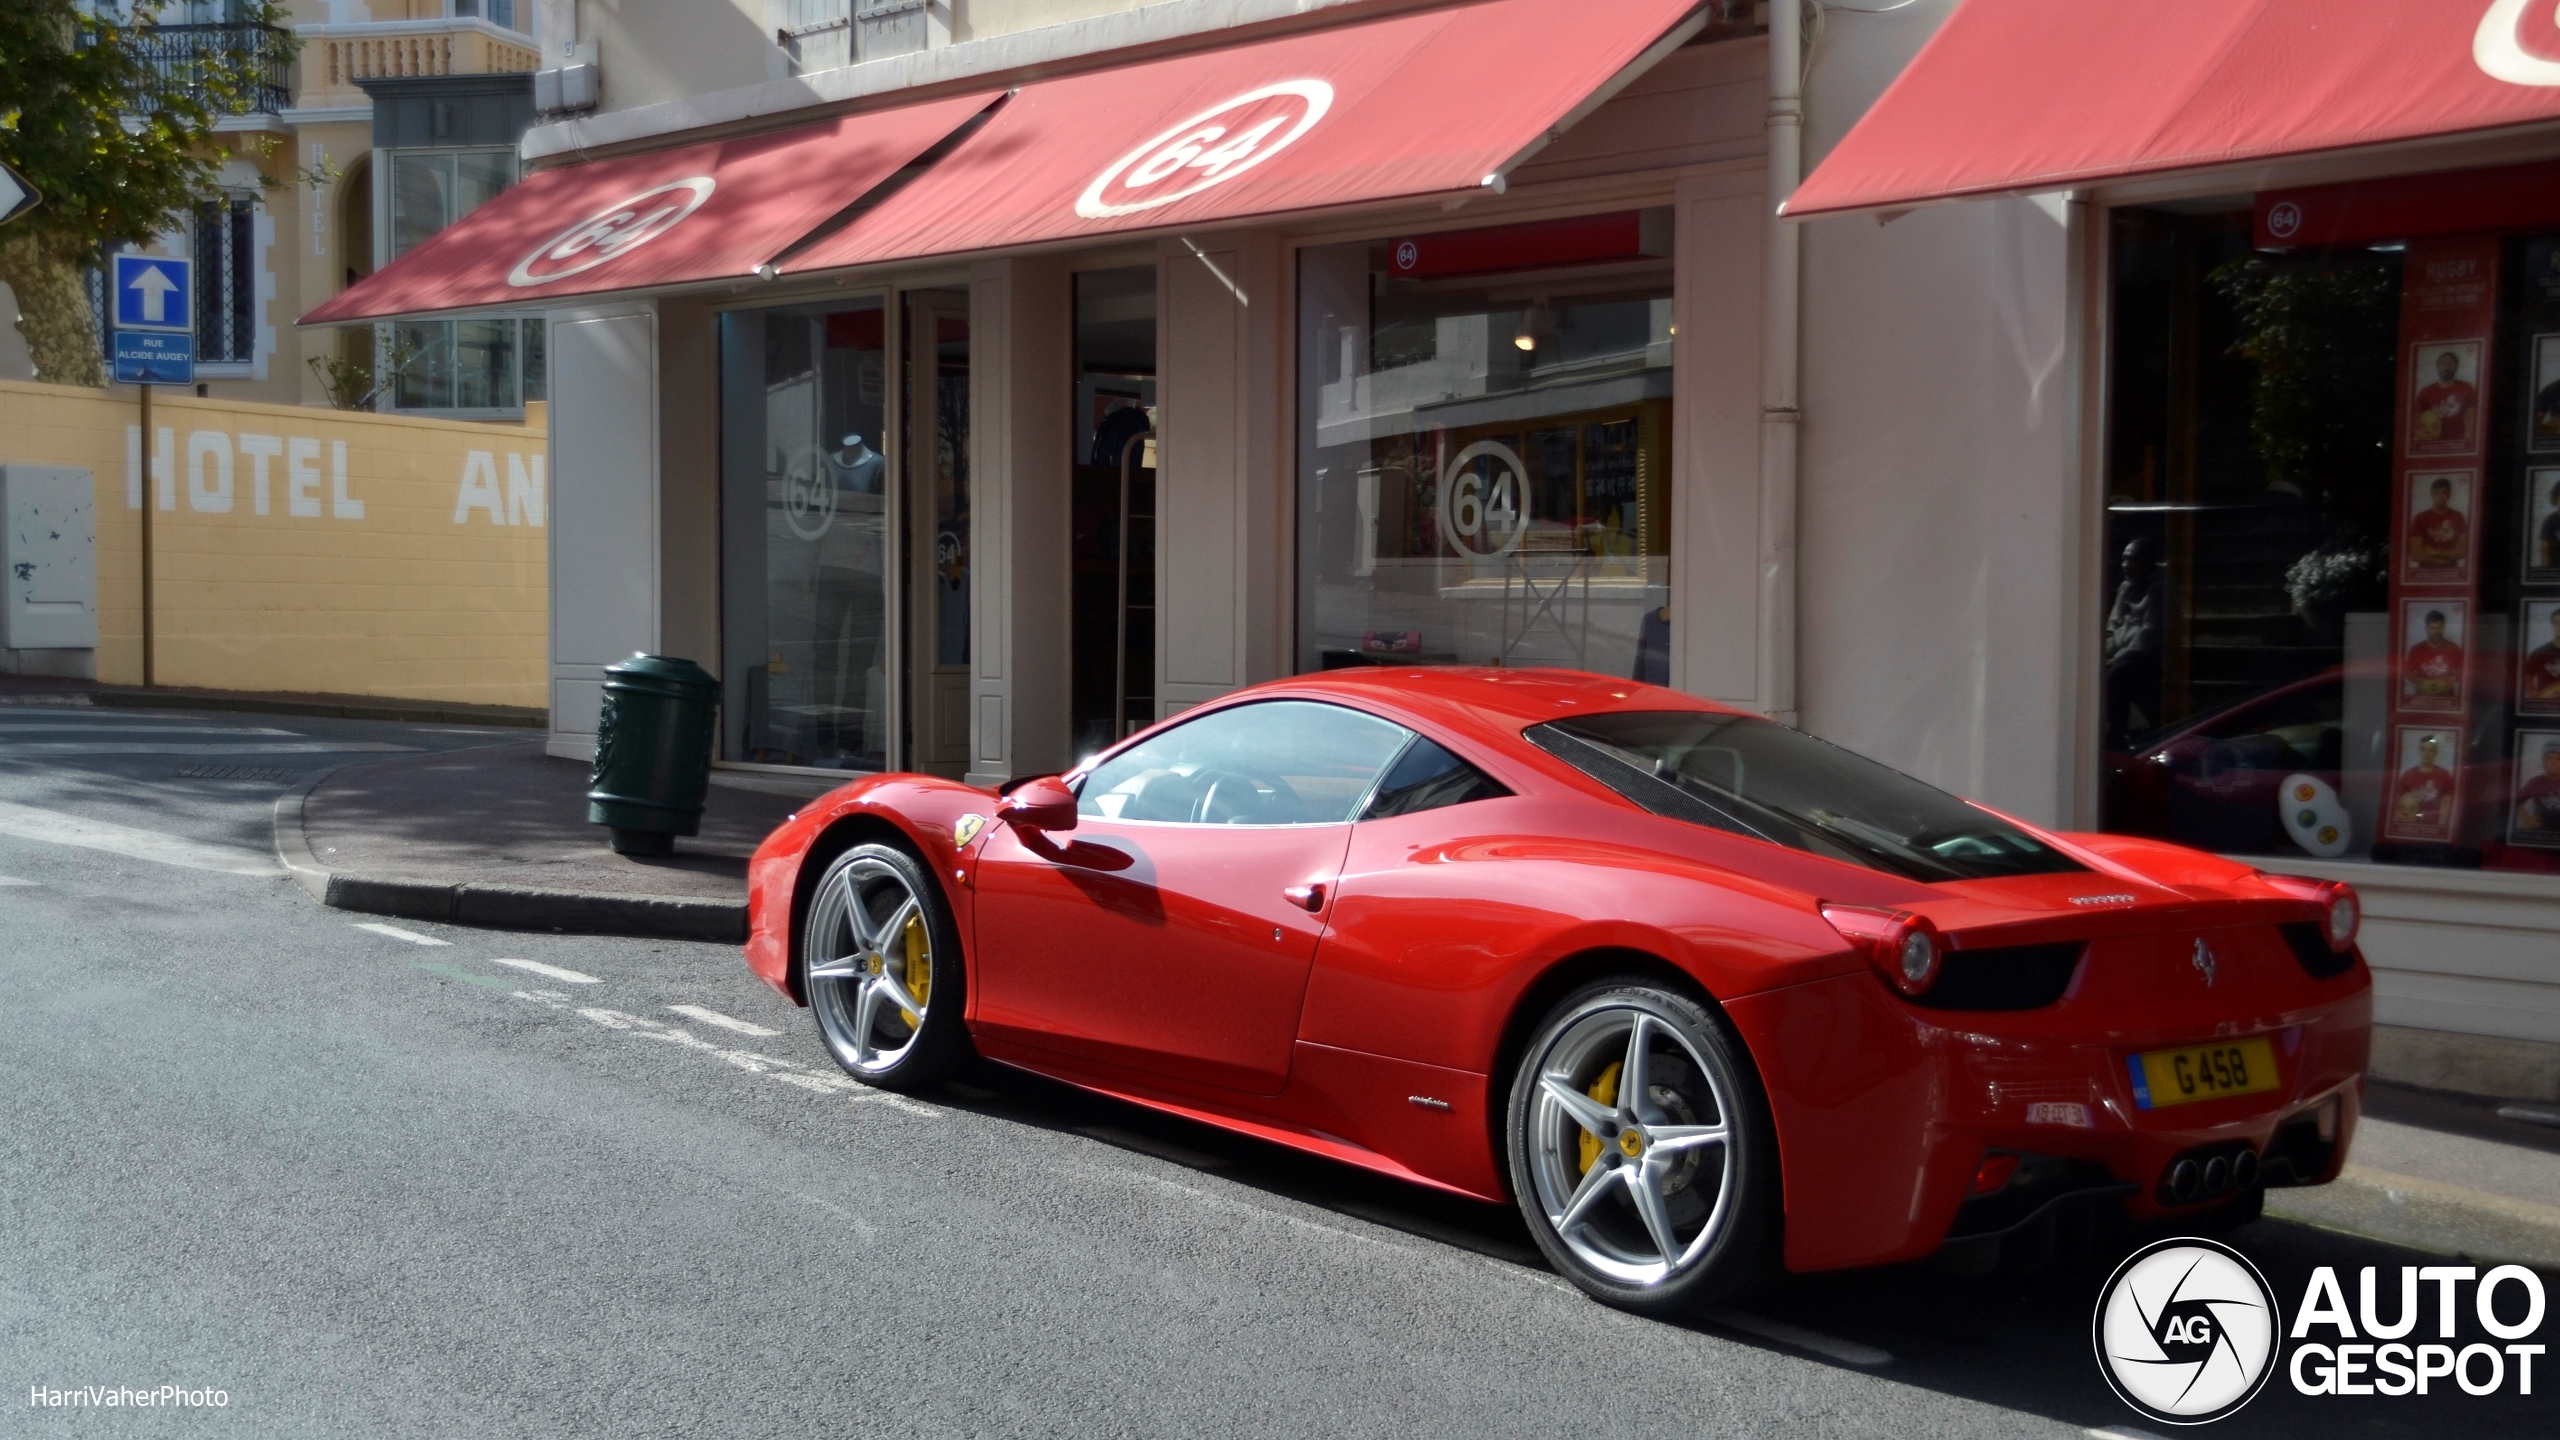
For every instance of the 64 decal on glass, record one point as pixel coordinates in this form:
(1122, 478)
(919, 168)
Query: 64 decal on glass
(1211, 148)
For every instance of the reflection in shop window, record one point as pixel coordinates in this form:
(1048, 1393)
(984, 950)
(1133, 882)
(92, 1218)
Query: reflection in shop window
(2333, 532)
(804, 544)
(1485, 442)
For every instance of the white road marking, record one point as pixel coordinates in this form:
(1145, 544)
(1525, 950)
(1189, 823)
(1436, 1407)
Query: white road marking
(75, 748)
(396, 933)
(771, 1067)
(1847, 1352)
(549, 972)
(726, 1022)
(8, 880)
(28, 822)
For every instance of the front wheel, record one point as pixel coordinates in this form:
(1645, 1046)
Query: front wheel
(884, 972)
(1641, 1150)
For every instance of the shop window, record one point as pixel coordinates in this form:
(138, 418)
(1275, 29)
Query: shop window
(805, 537)
(225, 236)
(1485, 446)
(2333, 543)
(1112, 547)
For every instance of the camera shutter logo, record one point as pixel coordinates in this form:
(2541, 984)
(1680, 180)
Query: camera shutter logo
(616, 230)
(2186, 1331)
(1211, 148)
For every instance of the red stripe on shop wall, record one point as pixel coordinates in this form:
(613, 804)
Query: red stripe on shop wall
(2403, 207)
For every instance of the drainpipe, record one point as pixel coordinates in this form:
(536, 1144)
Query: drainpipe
(1781, 326)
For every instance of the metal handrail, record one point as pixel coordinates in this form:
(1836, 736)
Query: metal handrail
(178, 56)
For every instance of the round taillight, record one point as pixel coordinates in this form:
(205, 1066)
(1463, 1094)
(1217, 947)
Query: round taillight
(1904, 948)
(2340, 916)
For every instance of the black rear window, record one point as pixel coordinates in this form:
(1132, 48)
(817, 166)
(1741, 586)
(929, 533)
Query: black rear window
(1425, 777)
(1758, 778)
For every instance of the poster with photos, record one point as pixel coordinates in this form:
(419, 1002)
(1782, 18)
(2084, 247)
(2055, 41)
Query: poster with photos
(2426, 785)
(2533, 811)
(2542, 525)
(2542, 421)
(2433, 637)
(2538, 661)
(2435, 544)
(2444, 397)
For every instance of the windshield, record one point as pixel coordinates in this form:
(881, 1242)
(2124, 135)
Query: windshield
(1753, 777)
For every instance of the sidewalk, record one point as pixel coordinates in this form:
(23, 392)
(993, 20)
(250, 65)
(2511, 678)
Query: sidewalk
(497, 836)
(2444, 1173)
(53, 690)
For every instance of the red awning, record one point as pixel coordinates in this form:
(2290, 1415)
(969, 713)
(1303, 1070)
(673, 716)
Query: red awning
(2015, 96)
(705, 212)
(1414, 105)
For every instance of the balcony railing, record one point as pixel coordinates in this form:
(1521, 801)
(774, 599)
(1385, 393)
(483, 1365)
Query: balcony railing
(183, 59)
(335, 57)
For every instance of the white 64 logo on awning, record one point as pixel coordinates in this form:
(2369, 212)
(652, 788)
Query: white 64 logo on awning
(617, 229)
(1211, 148)
(2519, 42)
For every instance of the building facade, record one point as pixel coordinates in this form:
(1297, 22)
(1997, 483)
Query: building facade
(1996, 492)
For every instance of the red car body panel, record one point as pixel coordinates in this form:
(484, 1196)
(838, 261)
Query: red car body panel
(1163, 964)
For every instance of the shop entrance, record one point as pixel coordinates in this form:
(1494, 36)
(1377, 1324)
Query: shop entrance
(1112, 556)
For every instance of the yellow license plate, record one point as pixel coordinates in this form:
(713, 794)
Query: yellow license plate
(2202, 1072)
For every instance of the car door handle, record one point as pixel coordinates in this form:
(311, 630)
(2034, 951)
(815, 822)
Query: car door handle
(1309, 898)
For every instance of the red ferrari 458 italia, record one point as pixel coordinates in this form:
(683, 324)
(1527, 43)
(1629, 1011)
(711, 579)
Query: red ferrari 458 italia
(1703, 995)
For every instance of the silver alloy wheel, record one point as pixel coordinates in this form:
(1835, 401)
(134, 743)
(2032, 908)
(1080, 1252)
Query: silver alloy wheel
(1659, 1192)
(870, 971)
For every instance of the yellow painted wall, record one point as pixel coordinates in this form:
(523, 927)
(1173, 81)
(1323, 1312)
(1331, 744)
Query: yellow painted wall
(421, 576)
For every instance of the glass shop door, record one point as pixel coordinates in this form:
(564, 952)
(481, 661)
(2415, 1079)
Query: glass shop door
(1112, 556)
(936, 506)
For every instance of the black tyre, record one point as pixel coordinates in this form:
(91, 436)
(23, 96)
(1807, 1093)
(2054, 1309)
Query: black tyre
(1641, 1150)
(882, 969)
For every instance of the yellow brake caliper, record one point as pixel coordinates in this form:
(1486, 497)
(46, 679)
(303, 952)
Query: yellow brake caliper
(917, 971)
(1604, 1090)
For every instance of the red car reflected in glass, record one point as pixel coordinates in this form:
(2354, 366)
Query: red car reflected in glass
(1704, 997)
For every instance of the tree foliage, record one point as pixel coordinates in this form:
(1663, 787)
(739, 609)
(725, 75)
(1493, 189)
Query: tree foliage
(117, 144)
(2320, 334)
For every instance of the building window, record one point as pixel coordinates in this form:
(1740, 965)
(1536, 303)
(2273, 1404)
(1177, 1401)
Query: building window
(496, 12)
(226, 277)
(468, 365)
(1485, 448)
(431, 189)
(2333, 542)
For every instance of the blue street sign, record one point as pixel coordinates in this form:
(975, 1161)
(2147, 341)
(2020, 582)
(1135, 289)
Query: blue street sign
(148, 358)
(154, 292)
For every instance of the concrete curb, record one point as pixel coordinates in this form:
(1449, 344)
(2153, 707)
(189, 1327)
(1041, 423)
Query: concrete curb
(2427, 1214)
(496, 907)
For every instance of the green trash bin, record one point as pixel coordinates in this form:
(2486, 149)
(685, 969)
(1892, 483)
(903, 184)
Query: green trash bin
(653, 752)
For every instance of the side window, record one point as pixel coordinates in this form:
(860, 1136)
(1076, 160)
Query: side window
(1282, 762)
(1426, 777)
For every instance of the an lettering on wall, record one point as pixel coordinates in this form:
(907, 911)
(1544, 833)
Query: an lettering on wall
(521, 504)
(213, 472)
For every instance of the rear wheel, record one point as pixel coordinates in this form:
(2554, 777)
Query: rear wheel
(1641, 1151)
(884, 972)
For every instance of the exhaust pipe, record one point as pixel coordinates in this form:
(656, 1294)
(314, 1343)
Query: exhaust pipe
(2185, 1180)
(2244, 1170)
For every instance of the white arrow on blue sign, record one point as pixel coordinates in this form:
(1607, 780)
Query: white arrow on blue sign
(154, 292)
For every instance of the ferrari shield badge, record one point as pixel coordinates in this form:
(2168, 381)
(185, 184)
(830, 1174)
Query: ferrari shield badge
(967, 830)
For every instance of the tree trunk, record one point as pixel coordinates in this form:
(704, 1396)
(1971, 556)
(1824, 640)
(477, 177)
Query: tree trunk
(53, 314)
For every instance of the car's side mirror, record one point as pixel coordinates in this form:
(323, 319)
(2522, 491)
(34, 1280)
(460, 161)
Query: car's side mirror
(1042, 804)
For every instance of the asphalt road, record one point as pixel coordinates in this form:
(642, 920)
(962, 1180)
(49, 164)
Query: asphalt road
(367, 1184)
